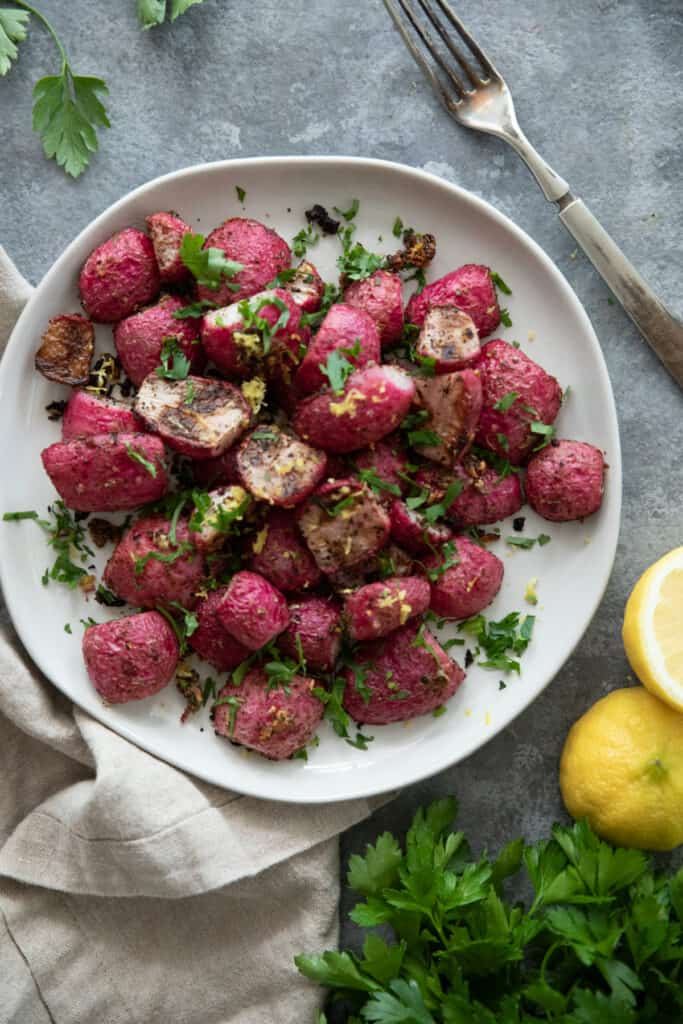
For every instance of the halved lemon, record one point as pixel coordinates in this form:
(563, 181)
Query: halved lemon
(653, 628)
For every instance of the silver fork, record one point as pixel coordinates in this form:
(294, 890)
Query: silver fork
(476, 95)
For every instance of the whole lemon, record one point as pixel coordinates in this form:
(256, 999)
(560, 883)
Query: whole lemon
(622, 769)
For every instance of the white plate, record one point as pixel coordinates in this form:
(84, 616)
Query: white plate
(573, 570)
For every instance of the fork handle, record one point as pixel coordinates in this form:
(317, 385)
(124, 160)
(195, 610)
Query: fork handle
(660, 329)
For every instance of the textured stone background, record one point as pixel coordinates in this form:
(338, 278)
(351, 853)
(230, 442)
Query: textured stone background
(233, 78)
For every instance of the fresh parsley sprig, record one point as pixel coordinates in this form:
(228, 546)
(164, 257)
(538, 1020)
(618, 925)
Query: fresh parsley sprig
(153, 12)
(210, 267)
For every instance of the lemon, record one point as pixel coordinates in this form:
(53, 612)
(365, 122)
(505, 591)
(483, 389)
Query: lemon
(653, 628)
(622, 769)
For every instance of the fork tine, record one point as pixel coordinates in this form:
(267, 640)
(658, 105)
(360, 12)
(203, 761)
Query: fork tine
(474, 78)
(417, 55)
(432, 50)
(488, 65)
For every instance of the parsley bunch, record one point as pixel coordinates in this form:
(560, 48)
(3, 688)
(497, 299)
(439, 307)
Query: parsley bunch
(600, 943)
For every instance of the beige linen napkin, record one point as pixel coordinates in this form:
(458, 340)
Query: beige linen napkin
(132, 892)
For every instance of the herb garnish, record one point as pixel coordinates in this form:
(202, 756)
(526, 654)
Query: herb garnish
(337, 367)
(241, 194)
(500, 284)
(397, 229)
(351, 212)
(528, 542)
(450, 557)
(545, 430)
(252, 321)
(505, 317)
(66, 536)
(508, 399)
(377, 484)
(194, 310)
(495, 639)
(138, 457)
(210, 267)
(356, 262)
(303, 240)
(174, 363)
(440, 509)
(234, 703)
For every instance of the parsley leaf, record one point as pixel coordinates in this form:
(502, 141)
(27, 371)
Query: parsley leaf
(140, 458)
(377, 484)
(174, 363)
(505, 317)
(153, 12)
(249, 311)
(303, 240)
(500, 284)
(210, 267)
(441, 508)
(504, 403)
(13, 28)
(545, 430)
(337, 368)
(195, 310)
(66, 536)
(397, 229)
(66, 113)
(351, 212)
(356, 262)
(241, 194)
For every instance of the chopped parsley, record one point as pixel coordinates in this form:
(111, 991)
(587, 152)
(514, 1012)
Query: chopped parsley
(174, 363)
(377, 484)
(505, 317)
(497, 640)
(183, 626)
(423, 438)
(508, 400)
(527, 542)
(190, 392)
(450, 558)
(106, 597)
(66, 537)
(167, 557)
(195, 310)
(241, 194)
(138, 457)
(500, 284)
(545, 430)
(502, 440)
(303, 240)
(252, 321)
(397, 229)
(234, 703)
(356, 262)
(331, 294)
(350, 213)
(210, 267)
(337, 368)
(440, 509)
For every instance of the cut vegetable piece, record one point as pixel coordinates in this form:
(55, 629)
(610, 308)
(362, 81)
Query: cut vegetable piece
(252, 610)
(211, 640)
(377, 609)
(107, 472)
(199, 416)
(119, 276)
(403, 675)
(278, 552)
(372, 404)
(465, 581)
(66, 349)
(347, 339)
(260, 250)
(343, 524)
(565, 481)
(275, 722)
(239, 338)
(470, 288)
(381, 296)
(87, 413)
(449, 337)
(278, 468)
(142, 338)
(167, 229)
(130, 658)
(453, 401)
(306, 287)
(315, 628)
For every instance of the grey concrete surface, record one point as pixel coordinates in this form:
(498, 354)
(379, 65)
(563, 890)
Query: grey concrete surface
(598, 88)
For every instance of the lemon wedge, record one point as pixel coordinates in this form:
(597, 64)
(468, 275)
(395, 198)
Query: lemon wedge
(653, 628)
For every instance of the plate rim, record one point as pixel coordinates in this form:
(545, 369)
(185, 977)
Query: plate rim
(486, 208)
